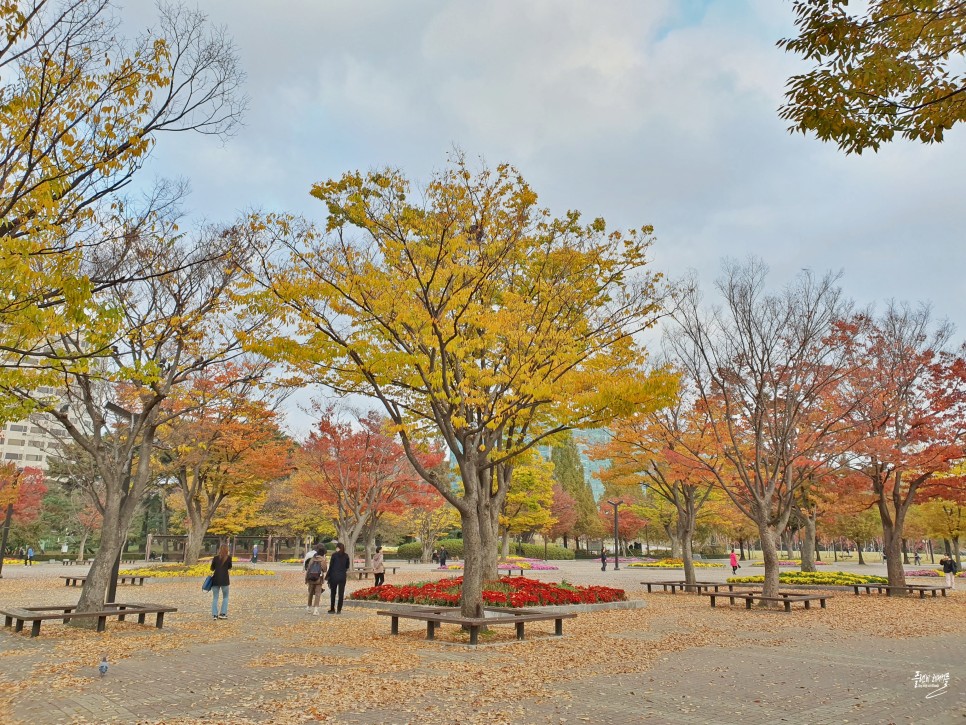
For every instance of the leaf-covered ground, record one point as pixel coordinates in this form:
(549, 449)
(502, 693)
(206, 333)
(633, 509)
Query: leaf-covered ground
(272, 662)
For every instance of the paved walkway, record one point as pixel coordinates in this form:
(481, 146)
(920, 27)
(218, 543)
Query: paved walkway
(676, 661)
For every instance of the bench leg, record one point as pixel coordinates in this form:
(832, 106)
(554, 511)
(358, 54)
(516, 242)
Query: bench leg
(731, 601)
(748, 604)
(944, 592)
(19, 626)
(160, 621)
(519, 630)
(922, 593)
(7, 620)
(141, 618)
(712, 601)
(101, 624)
(35, 628)
(394, 626)
(558, 627)
(788, 605)
(822, 602)
(474, 634)
(806, 603)
(430, 630)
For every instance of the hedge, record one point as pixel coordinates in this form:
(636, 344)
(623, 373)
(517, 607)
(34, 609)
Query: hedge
(454, 548)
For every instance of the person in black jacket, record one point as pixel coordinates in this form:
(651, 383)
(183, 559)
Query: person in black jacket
(219, 582)
(336, 575)
(949, 569)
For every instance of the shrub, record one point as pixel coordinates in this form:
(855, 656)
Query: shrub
(535, 551)
(165, 571)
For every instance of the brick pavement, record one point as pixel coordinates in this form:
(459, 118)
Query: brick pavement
(812, 676)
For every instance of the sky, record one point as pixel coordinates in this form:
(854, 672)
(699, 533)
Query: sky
(656, 112)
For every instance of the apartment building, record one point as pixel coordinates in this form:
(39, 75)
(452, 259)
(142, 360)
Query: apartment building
(29, 443)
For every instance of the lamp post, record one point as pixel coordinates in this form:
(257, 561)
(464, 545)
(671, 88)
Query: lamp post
(617, 564)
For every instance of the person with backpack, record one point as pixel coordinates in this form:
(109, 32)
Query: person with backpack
(338, 573)
(949, 569)
(315, 570)
(29, 560)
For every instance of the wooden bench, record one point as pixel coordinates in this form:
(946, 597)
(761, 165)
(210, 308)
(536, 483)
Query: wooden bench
(510, 569)
(785, 598)
(73, 581)
(36, 615)
(887, 589)
(448, 615)
(364, 573)
(684, 586)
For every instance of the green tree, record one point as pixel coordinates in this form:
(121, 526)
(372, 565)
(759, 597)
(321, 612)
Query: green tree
(568, 470)
(891, 67)
(527, 506)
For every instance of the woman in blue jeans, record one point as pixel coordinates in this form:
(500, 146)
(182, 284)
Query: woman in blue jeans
(219, 582)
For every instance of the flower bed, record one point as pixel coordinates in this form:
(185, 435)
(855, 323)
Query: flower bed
(787, 562)
(165, 571)
(506, 592)
(840, 578)
(673, 564)
(933, 572)
(511, 562)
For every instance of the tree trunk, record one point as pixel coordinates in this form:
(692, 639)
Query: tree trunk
(565, 542)
(197, 528)
(83, 545)
(818, 549)
(769, 550)
(956, 552)
(505, 544)
(427, 551)
(892, 548)
(370, 544)
(688, 561)
(905, 551)
(474, 566)
(808, 544)
(672, 535)
(741, 546)
(116, 521)
(787, 539)
(858, 548)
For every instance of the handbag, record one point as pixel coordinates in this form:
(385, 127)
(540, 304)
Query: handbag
(206, 586)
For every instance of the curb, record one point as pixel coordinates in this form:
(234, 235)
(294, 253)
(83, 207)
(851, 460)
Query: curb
(562, 609)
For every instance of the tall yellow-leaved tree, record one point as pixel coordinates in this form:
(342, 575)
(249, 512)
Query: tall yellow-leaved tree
(473, 316)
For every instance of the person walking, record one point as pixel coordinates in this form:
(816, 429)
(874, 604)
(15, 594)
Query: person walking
(916, 559)
(378, 568)
(255, 554)
(220, 565)
(315, 571)
(338, 572)
(29, 558)
(435, 557)
(949, 569)
(443, 554)
(733, 560)
(603, 559)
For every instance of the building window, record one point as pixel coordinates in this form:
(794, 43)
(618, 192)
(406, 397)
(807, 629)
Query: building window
(36, 444)
(16, 442)
(14, 456)
(16, 428)
(32, 457)
(37, 431)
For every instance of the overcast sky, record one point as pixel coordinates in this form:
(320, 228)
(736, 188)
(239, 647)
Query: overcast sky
(657, 112)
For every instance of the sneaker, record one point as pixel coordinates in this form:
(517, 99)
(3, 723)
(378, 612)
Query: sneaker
(309, 609)
(315, 611)
(215, 616)
(331, 611)
(222, 616)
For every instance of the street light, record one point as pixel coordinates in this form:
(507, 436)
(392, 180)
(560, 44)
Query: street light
(617, 564)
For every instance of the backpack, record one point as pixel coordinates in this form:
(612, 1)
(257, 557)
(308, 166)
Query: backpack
(314, 572)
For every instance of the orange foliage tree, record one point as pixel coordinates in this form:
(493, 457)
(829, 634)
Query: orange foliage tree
(908, 416)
